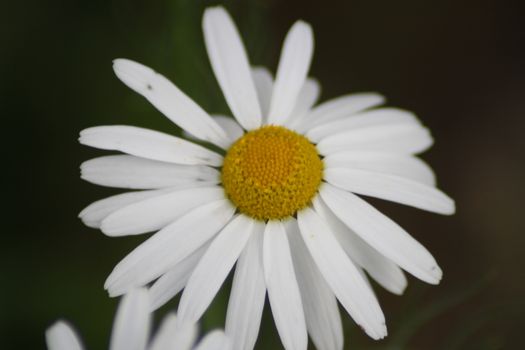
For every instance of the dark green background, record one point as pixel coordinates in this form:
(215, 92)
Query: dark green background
(460, 65)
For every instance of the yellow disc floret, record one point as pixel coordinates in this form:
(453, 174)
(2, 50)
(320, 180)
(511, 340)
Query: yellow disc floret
(271, 173)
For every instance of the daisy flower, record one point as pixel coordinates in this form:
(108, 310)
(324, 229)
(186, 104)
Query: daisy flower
(131, 330)
(281, 202)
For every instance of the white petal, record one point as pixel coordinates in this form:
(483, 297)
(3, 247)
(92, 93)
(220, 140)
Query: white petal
(232, 129)
(374, 117)
(296, 56)
(155, 213)
(169, 100)
(320, 305)
(230, 126)
(247, 294)
(173, 281)
(341, 274)
(264, 84)
(307, 98)
(148, 144)
(231, 67)
(382, 233)
(132, 322)
(62, 336)
(392, 188)
(404, 138)
(94, 213)
(340, 107)
(387, 163)
(213, 268)
(169, 246)
(383, 270)
(283, 291)
(173, 335)
(215, 340)
(125, 171)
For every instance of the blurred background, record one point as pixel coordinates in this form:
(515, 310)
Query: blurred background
(459, 65)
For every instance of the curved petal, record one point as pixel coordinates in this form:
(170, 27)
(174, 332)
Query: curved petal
(404, 138)
(307, 98)
(246, 303)
(320, 305)
(169, 246)
(340, 107)
(296, 56)
(173, 281)
(375, 117)
(148, 144)
(382, 234)
(123, 171)
(215, 340)
(401, 165)
(132, 322)
(213, 268)
(381, 269)
(392, 188)
(263, 80)
(283, 291)
(231, 67)
(341, 274)
(62, 336)
(174, 335)
(169, 100)
(155, 213)
(93, 214)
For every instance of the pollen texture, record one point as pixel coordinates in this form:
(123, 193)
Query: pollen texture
(271, 173)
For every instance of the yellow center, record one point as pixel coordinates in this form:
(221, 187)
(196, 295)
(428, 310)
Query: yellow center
(271, 173)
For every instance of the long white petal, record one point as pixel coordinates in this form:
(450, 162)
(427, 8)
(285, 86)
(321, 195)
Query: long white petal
(387, 163)
(173, 335)
(320, 305)
(132, 322)
(283, 291)
(230, 126)
(296, 56)
(155, 213)
(380, 268)
(373, 117)
(125, 171)
(169, 246)
(215, 340)
(97, 211)
(246, 303)
(213, 268)
(149, 144)
(173, 281)
(340, 107)
(169, 100)
(62, 336)
(403, 138)
(382, 233)
(264, 84)
(391, 187)
(341, 274)
(308, 96)
(231, 67)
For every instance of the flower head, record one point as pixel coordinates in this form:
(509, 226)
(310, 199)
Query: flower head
(281, 202)
(131, 330)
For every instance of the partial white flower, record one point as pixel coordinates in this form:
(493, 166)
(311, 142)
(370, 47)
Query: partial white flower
(131, 330)
(282, 202)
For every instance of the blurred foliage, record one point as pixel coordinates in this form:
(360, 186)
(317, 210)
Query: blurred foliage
(459, 65)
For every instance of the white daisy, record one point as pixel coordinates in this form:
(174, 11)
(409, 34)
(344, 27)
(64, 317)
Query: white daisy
(131, 330)
(281, 202)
